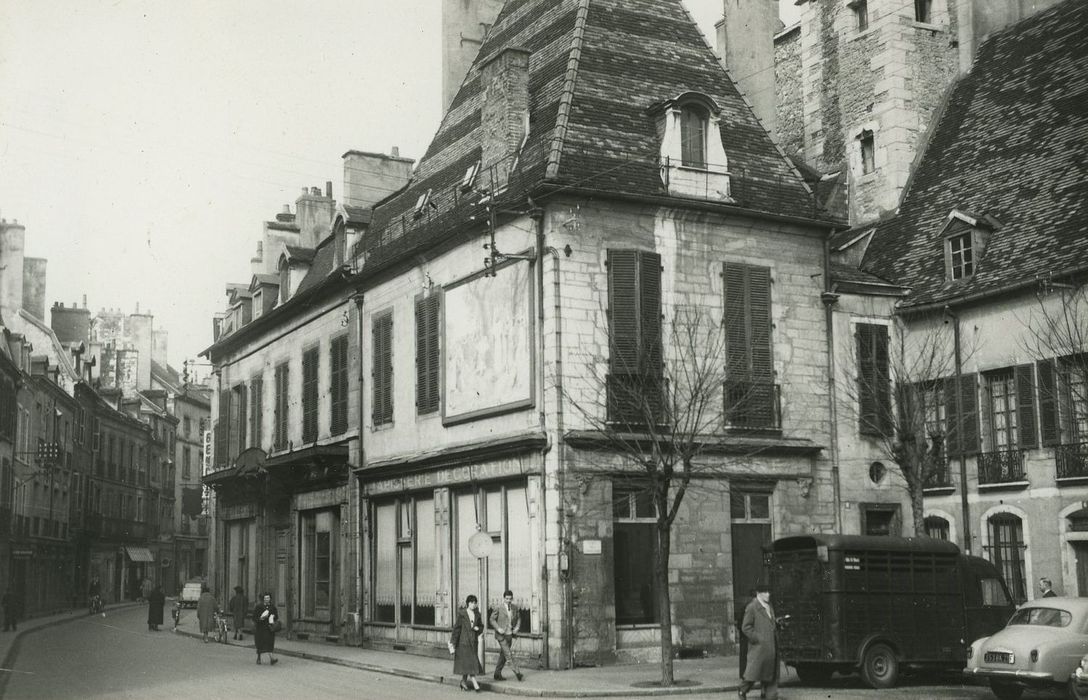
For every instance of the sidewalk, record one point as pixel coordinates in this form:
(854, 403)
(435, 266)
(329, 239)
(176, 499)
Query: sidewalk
(710, 675)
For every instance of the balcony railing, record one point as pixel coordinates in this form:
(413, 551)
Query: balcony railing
(940, 477)
(752, 405)
(1001, 467)
(636, 401)
(1072, 460)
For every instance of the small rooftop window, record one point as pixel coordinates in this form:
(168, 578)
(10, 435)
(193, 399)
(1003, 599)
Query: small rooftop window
(693, 128)
(961, 257)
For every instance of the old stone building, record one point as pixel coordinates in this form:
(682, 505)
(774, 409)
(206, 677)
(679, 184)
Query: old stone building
(990, 240)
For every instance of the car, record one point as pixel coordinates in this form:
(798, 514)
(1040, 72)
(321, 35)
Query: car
(1039, 648)
(190, 594)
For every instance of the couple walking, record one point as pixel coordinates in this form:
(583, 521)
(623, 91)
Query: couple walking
(467, 628)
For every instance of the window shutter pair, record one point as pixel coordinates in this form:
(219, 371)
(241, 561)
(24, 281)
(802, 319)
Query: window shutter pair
(338, 385)
(634, 312)
(310, 361)
(874, 381)
(382, 372)
(963, 419)
(747, 303)
(427, 354)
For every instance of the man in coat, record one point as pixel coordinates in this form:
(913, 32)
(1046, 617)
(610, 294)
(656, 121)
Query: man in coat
(506, 621)
(156, 600)
(1046, 587)
(759, 627)
(239, 608)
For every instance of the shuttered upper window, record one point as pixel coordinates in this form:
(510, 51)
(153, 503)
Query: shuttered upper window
(961, 405)
(310, 362)
(280, 438)
(338, 385)
(874, 381)
(748, 323)
(634, 312)
(256, 406)
(382, 372)
(427, 357)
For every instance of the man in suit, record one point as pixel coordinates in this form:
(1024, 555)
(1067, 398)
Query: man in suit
(1047, 588)
(759, 626)
(506, 621)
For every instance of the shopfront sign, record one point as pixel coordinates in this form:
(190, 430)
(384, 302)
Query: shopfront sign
(445, 477)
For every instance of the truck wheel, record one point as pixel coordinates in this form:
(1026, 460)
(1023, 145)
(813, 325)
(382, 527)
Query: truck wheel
(879, 667)
(1006, 691)
(816, 674)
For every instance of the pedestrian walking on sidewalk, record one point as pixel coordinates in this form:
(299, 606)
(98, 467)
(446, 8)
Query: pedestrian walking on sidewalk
(506, 621)
(155, 603)
(464, 636)
(239, 608)
(205, 612)
(266, 621)
(759, 627)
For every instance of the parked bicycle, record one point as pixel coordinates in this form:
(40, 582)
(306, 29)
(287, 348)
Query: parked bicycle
(221, 627)
(95, 605)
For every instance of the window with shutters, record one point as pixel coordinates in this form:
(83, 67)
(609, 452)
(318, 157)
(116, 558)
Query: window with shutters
(1063, 412)
(310, 362)
(280, 407)
(256, 411)
(427, 353)
(382, 371)
(338, 385)
(635, 384)
(1009, 424)
(874, 381)
(961, 406)
(750, 393)
(238, 418)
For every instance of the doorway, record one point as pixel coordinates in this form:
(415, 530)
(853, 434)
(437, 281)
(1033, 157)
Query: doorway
(750, 515)
(1080, 553)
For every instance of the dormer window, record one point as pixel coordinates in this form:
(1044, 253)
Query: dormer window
(961, 257)
(693, 127)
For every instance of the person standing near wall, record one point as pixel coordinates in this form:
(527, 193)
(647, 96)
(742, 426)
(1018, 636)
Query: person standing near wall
(266, 620)
(239, 608)
(156, 601)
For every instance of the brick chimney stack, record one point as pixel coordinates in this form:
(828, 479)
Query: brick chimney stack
(504, 114)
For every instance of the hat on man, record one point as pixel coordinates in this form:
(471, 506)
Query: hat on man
(763, 587)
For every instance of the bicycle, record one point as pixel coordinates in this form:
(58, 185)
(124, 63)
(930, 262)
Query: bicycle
(221, 629)
(95, 605)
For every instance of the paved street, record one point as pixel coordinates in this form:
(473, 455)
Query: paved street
(115, 657)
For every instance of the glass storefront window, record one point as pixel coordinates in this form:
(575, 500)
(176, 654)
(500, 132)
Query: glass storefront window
(385, 567)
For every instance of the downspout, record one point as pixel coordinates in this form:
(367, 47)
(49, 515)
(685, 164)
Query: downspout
(359, 542)
(829, 299)
(537, 216)
(964, 505)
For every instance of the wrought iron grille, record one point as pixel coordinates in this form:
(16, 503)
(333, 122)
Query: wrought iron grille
(1001, 467)
(1072, 459)
(636, 401)
(753, 405)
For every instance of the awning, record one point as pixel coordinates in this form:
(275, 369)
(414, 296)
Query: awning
(139, 554)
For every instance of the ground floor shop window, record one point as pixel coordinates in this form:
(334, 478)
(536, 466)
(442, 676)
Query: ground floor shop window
(237, 548)
(635, 556)
(317, 556)
(405, 568)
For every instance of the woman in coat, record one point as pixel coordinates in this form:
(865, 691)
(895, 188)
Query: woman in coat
(205, 612)
(467, 629)
(759, 627)
(155, 602)
(239, 608)
(265, 617)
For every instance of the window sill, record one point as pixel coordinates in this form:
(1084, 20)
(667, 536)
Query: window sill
(640, 626)
(863, 33)
(382, 427)
(1073, 481)
(939, 490)
(1005, 486)
(928, 27)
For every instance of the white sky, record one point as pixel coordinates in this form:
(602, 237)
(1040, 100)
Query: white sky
(143, 143)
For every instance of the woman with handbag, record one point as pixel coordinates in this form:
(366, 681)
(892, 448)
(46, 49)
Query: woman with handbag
(266, 622)
(467, 629)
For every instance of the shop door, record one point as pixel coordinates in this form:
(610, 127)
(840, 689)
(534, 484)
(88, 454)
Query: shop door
(750, 514)
(1080, 551)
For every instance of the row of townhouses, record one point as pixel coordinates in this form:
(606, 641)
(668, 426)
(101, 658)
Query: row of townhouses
(93, 427)
(452, 381)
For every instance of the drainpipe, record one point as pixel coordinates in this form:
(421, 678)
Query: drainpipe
(829, 299)
(964, 506)
(537, 215)
(359, 543)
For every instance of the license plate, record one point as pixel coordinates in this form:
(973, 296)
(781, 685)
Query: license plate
(999, 657)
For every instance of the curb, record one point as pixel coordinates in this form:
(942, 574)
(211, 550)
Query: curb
(488, 686)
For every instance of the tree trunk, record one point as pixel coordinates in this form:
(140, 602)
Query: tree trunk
(917, 507)
(661, 571)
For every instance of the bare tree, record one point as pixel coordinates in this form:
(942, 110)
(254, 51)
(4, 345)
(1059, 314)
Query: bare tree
(902, 389)
(658, 409)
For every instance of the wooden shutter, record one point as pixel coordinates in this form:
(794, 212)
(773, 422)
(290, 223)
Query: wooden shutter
(427, 356)
(649, 314)
(281, 407)
(1049, 426)
(963, 426)
(310, 361)
(338, 386)
(240, 393)
(749, 354)
(737, 353)
(255, 408)
(222, 429)
(1025, 405)
(623, 314)
(759, 322)
(382, 372)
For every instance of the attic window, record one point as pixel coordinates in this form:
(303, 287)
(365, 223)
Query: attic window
(868, 160)
(469, 180)
(693, 128)
(961, 258)
(422, 203)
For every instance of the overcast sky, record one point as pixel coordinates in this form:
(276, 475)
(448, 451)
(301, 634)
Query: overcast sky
(143, 143)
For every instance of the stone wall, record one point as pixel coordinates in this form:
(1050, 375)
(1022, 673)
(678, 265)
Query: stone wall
(787, 77)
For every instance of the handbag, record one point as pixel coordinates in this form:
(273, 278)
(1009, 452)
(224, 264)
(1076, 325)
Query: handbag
(277, 626)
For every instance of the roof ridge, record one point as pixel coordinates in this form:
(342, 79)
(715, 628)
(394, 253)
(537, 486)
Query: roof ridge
(566, 98)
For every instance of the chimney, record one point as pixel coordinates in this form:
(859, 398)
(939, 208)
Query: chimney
(138, 368)
(504, 113)
(371, 177)
(34, 287)
(464, 24)
(12, 243)
(314, 213)
(746, 46)
(159, 340)
(71, 324)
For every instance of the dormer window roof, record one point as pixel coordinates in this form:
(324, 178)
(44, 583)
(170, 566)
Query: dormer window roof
(693, 159)
(964, 238)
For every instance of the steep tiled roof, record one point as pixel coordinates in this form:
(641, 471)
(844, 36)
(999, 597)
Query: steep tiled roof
(1013, 145)
(841, 272)
(321, 264)
(299, 253)
(596, 69)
